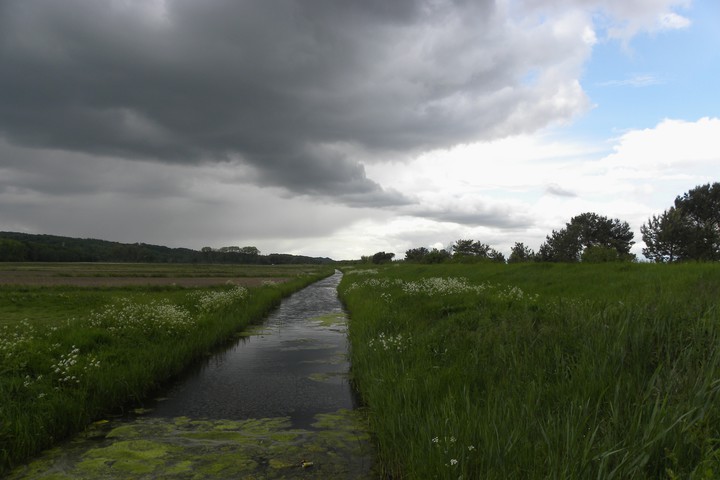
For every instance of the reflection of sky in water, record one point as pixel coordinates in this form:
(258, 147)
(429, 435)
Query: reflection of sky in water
(294, 366)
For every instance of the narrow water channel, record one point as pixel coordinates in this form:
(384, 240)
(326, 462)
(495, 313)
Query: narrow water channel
(295, 364)
(277, 404)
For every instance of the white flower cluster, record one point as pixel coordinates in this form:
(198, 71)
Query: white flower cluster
(449, 447)
(154, 317)
(30, 380)
(14, 341)
(385, 342)
(215, 300)
(441, 286)
(366, 271)
(374, 283)
(515, 293)
(69, 369)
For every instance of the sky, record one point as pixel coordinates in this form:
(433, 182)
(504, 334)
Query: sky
(341, 128)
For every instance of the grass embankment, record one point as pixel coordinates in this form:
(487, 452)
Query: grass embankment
(68, 355)
(540, 370)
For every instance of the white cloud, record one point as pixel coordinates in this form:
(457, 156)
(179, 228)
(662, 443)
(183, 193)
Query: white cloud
(469, 190)
(672, 21)
(668, 146)
(617, 19)
(639, 80)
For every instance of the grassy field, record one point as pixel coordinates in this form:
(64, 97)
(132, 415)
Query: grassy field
(70, 354)
(539, 370)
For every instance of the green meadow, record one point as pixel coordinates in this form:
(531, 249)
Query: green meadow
(468, 371)
(69, 355)
(528, 371)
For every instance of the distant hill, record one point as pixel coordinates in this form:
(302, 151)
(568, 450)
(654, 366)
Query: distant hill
(26, 247)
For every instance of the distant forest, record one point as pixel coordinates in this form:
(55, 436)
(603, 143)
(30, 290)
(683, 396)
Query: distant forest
(25, 247)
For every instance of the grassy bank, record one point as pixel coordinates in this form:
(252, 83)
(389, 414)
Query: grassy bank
(540, 371)
(68, 355)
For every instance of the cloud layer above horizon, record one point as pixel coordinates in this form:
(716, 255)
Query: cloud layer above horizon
(311, 101)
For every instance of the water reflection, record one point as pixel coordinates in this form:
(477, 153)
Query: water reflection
(294, 365)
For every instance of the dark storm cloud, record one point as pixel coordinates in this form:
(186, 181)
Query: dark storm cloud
(56, 173)
(277, 85)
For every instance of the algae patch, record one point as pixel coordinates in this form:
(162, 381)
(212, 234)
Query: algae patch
(330, 319)
(328, 377)
(337, 446)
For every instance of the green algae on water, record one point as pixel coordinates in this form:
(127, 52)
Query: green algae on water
(337, 446)
(330, 320)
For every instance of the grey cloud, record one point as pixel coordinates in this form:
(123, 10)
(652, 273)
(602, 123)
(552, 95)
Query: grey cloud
(55, 173)
(176, 205)
(319, 171)
(557, 190)
(272, 83)
(479, 217)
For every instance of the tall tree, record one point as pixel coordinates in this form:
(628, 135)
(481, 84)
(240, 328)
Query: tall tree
(520, 253)
(416, 254)
(664, 237)
(584, 231)
(437, 256)
(689, 230)
(470, 248)
(382, 257)
(250, 250)
(495, 256)
(561, 246)
(700, 210)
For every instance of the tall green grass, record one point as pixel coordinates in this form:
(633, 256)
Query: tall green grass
(80, 353)
(537, 371)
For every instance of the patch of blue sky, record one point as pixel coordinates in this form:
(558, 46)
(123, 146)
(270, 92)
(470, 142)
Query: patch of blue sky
(668, 74)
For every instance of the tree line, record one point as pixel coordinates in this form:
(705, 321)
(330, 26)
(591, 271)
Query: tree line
(687, 231)
(25, 247)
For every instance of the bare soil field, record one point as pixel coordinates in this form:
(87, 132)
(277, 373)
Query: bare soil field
(47, 280)
(119, 275)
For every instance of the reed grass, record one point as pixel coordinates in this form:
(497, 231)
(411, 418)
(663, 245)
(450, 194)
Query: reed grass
(536, 371)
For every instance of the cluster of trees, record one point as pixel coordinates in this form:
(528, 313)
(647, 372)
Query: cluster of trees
(689, 230)
(423, 255)
(378, 258)
(588, 237)
(232, 254)
(25, 247)
(463, 250)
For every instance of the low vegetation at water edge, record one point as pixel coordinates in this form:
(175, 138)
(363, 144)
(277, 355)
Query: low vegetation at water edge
(69, 355)
(539, 370)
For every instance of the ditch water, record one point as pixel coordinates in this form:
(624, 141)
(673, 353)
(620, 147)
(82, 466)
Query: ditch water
(277, 404)
(294, 364)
